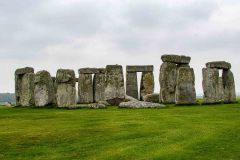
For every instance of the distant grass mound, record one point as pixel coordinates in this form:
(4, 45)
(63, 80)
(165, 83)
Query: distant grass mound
(174, 133)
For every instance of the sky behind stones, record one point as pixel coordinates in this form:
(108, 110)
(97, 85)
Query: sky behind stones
(52, 34)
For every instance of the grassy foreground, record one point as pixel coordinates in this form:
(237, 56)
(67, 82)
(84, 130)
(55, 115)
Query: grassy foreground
(186, 133)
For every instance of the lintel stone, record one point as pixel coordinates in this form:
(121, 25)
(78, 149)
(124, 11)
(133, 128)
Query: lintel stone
(178, 59)
(219, 65)
(143, 68)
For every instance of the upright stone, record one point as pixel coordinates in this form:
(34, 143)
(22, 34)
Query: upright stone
(131, 84)
(220, 90)
(185, 89)
(167, 78)
(114, 87)
(229, 87)
(147, 84)
(19, 75)
(99, 86)
(85, 88)
(66, 91)
(27, 97)
(44, 89)
(210, 85)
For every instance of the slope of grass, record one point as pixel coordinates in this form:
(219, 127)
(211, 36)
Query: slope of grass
(174, 133)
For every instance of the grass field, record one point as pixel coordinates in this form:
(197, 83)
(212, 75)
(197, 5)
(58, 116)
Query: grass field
(174, 133)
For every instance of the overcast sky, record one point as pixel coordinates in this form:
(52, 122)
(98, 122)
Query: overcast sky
(52, 34)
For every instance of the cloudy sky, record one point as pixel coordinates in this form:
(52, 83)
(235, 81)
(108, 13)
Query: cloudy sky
(52, 34)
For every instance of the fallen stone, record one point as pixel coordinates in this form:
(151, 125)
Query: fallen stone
(85, 88)
(147, 84)
(129, 98)
(145, 68)
(154, 98)
(229, 87)
(178, 59)
(132, 84)
(219, 65)
(185, 89)
(167, 79)
(140, 104)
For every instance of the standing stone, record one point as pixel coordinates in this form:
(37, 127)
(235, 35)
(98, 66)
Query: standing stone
(229, 87)
(114, 87)
(99, 86)
(27, 97)
(210, 85)
(147, 84)
(66, 91)
(44, 89)
(19, 74)
(85, 88)
(168, 75)
(185, 89)
(131, 84)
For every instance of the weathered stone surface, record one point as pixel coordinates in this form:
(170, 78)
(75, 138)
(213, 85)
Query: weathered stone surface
(185, 89)
(229, 87)
(91, 70)
(210, 85)
(114, 86)
(66, 91)
(19, 73)
(131, 84)
(129, 98)
(183, 65)
(27, 90)
(85, 88)
(140, 104)
(145, 68)
(178, 59)
(154, 98)
(219, 65)
(44, 89)
(99, 87)
(167, 79)
(147, 84)
(220, 90)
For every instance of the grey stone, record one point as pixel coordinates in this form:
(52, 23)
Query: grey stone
(178, 59)
(167, 79)
(99, 87)
(66, 91)
(114, 86)
(131, 84)
(183, 65)
(219, 65)
(44, 89)
(210, 85)
(85, 88)
(27, 90)
(91, 70)
(154, 98)
(147, 84)
(145, 68)
(140, 104)
(25, 70)
(129, 98)
(185, 89)
(229, 87)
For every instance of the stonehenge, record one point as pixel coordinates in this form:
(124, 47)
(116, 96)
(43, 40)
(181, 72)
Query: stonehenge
(177, 80)
(101, 87)
(218, 89)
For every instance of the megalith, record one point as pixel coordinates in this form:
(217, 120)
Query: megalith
(147, 84)
(131, 84)
(66, 91)
(229, 86)
(114, 85)
(44, 93)
(185, 88)
(24, 86)
(85, 88)
(99, 86)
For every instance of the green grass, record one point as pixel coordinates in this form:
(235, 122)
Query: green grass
(174, 133)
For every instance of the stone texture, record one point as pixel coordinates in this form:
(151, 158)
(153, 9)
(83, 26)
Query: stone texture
(219, 65)
(85, 88)
(19, 73)
(132, 84)
(140, 104)
(185, 89)
(147, 84)
(144, 68)
(167, 79)
(229, 87)
(44, 89)
(27, 94)
(91, 70)
(154, 98)
(99, 87)
(210, 85)
(220, 90)
(114, 86)
(178, 59)
(66, 91)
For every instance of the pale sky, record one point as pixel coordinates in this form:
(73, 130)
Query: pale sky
(52, 34)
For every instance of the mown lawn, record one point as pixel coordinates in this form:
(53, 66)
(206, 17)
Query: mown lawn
(174, 133)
